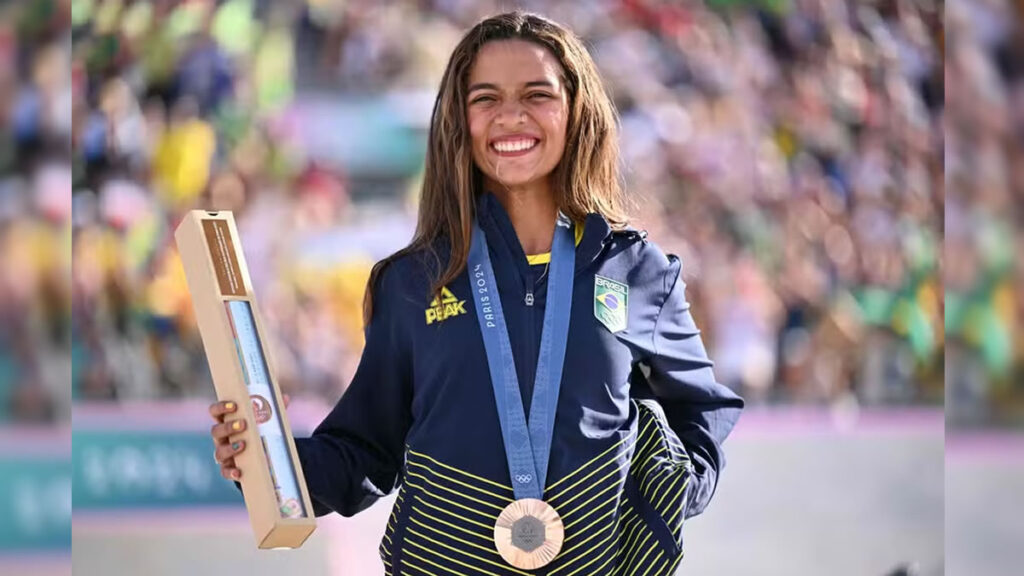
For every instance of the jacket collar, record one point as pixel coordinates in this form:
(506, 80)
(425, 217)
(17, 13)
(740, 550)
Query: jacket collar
(501, 235)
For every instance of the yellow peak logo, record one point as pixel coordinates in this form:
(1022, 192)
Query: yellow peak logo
(445, 307)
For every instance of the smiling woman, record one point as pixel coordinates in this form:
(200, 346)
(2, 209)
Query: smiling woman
(513, 79)
(518, 108)
(602, 427)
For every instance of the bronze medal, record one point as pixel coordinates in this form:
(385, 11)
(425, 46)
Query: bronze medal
(529, 533)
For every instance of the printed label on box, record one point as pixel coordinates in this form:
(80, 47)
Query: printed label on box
(225, 262)
(271, 430)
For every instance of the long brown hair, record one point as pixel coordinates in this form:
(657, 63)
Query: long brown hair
(586, 179)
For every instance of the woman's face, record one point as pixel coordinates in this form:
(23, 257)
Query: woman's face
(517, 108)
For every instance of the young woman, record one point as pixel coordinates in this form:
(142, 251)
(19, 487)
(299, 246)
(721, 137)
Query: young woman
(532, 381)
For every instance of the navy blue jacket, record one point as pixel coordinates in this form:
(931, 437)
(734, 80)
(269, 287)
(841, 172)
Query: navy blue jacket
(420, 414)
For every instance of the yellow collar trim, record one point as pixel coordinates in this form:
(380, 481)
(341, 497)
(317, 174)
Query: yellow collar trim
(534, 259)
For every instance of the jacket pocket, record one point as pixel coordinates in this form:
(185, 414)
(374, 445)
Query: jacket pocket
(660, 472)
(659, 529)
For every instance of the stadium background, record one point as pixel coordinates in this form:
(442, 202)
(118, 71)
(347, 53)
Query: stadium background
(841, 180)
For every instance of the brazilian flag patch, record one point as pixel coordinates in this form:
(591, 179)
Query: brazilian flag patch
(611, 301)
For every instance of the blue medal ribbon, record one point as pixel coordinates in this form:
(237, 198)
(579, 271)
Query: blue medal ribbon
(527, 445)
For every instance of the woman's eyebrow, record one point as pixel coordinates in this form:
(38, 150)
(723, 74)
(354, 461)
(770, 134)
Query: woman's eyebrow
(490, 86)
(540, 83)
(483, 86)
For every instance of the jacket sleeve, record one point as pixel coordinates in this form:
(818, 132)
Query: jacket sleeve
(356, 455)
(699, 410)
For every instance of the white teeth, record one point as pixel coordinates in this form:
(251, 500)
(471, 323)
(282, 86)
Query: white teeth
(514, 145)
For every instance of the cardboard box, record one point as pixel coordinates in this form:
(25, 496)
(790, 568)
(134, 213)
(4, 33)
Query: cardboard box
(272, 482)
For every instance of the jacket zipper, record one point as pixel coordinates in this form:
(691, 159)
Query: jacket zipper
(531, 343)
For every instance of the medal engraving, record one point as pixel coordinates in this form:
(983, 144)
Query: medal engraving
(528, 533)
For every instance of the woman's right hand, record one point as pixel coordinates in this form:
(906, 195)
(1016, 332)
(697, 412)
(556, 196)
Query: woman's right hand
(227, 437)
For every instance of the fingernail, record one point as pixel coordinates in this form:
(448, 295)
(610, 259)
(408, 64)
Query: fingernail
(236, 425)
(229, 406)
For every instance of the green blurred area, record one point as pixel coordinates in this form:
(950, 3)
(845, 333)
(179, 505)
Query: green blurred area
(35, 503)
(119, 469)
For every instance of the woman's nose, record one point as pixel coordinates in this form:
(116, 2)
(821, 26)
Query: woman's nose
(511, 114)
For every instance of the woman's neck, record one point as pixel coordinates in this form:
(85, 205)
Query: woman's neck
(532, 210)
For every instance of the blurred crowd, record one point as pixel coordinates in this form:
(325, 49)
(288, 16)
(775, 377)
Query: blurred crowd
(35, 212)
(984, 225)
(790, 151)
(794, 158)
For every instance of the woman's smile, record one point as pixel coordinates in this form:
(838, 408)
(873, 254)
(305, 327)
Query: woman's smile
(514, 146)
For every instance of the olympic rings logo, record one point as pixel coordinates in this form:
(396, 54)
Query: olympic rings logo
(524, 478)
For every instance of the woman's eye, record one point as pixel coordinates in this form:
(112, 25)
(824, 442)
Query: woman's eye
(539, 96)
(482, 99)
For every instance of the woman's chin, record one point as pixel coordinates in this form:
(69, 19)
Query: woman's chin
(518, 180)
